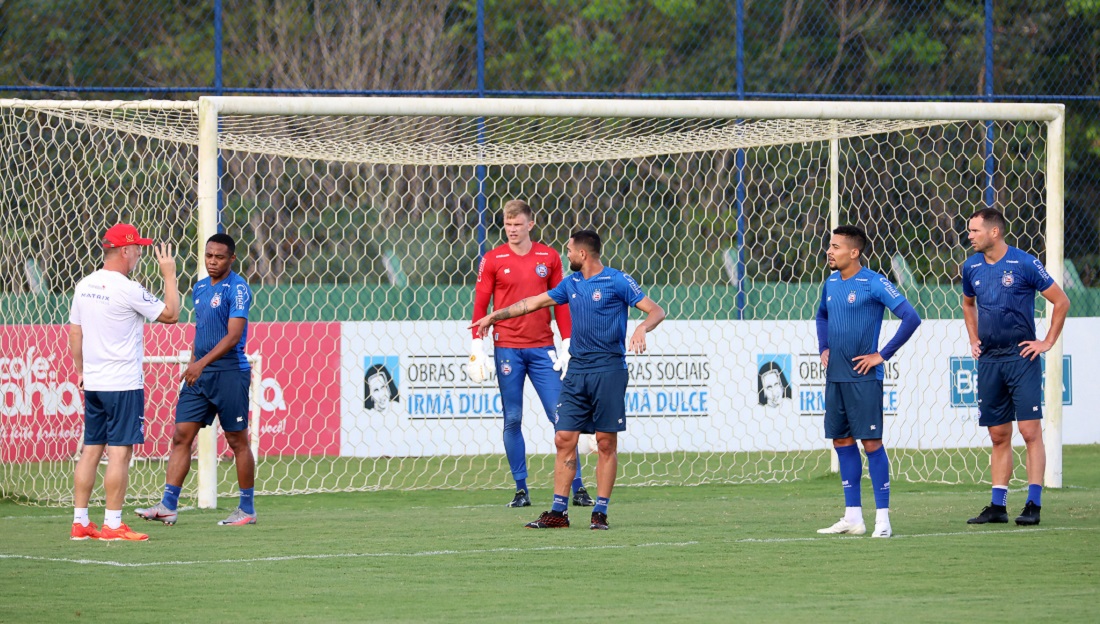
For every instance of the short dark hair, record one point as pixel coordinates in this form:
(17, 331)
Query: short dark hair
(993, 218)
(859, 239)
(588, 239)
(224, 239)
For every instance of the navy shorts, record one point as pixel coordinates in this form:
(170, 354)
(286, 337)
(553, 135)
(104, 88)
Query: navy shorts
(114, 418)
(853, 410)
(1009, 390)
(591, 402)
(224, 393)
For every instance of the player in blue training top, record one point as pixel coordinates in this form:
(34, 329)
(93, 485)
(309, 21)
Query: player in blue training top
(849, 320)
(999, 283)
(593, 395)
(216, 382)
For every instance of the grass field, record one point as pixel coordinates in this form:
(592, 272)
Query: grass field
(715, 553)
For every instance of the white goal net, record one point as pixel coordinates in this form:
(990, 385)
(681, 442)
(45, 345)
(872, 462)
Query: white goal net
(360, 223)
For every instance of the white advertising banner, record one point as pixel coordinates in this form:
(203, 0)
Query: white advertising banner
(718, 386)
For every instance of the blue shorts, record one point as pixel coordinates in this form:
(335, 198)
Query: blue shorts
(853, 410)
(1009, 390)
(591, 402)
(224, 393)
(114, 418)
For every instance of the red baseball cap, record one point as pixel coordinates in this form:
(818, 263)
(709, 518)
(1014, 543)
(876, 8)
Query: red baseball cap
(122, 235)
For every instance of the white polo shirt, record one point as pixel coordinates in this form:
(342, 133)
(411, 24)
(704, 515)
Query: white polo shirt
(111, 310)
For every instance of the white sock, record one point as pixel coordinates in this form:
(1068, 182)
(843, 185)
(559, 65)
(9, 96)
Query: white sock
(112, 519)
(882, 515)
(80, 516)
(853, 515)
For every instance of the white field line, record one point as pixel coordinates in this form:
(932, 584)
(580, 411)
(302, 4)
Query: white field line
(534, 549)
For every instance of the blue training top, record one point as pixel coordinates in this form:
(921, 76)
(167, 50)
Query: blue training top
(849, 320)
(1005, 291)
(214, 305)
(599, 307)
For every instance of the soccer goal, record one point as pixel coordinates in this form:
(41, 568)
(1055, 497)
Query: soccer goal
(360, 223)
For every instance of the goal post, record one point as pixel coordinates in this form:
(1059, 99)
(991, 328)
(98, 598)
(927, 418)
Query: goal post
(1053, 115)
(357, 223)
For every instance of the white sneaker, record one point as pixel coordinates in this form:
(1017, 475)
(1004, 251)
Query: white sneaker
(844, 526)
(882, 529)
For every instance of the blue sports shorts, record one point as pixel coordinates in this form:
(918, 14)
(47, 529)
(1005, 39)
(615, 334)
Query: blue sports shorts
(221, 393)
(591, 402)
(853, 410)
(114, 418)
(1009, 390)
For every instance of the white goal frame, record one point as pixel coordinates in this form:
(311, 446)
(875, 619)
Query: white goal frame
(1053, 115)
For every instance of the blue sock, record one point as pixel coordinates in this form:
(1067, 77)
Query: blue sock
(601, 505)
(878, 466)
(851, 471)
(577, 484)
(521, 484)
(246, 500)
(1035, 494)
(171, 498)
(1000, 496)
(561, 503)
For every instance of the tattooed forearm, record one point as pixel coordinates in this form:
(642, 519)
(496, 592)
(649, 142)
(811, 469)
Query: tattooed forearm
(518, 308)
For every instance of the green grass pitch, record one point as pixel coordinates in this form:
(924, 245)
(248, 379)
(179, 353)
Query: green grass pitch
(713, 553)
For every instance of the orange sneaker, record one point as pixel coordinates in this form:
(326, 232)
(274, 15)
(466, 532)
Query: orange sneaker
(123, 532)
(81, 532)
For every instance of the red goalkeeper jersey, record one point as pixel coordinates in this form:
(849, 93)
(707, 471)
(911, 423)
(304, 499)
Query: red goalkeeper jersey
(505, 278)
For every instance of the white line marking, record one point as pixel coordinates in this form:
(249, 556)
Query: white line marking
(480, 551)
(427, 553)
(1007, 531)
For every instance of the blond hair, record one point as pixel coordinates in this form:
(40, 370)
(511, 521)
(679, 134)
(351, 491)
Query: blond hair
(516, 207)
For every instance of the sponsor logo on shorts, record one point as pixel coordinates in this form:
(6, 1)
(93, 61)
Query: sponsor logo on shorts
(506, 368)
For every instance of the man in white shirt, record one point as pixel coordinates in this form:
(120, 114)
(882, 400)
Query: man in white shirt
(107, 358)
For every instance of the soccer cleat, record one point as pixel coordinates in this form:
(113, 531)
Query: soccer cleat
(81, 532)
(158, 512)
(1029, 516)
(843, 526)
(550, 520)
(883, 529)
(582, 499)
(599, 521)
(122, 533)
(238, 518)
(992, 514)
(522, 499)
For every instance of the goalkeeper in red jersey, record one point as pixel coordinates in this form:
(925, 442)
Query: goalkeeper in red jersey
(523, 346)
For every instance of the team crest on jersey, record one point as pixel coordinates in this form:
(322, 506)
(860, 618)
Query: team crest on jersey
(506, 368)
(216, 300)
(541, 270)
(1008, 279)
(852, 297)
(597, 295)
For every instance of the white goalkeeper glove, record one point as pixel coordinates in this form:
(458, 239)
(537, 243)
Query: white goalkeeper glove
(562, 361)
(477, 369)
